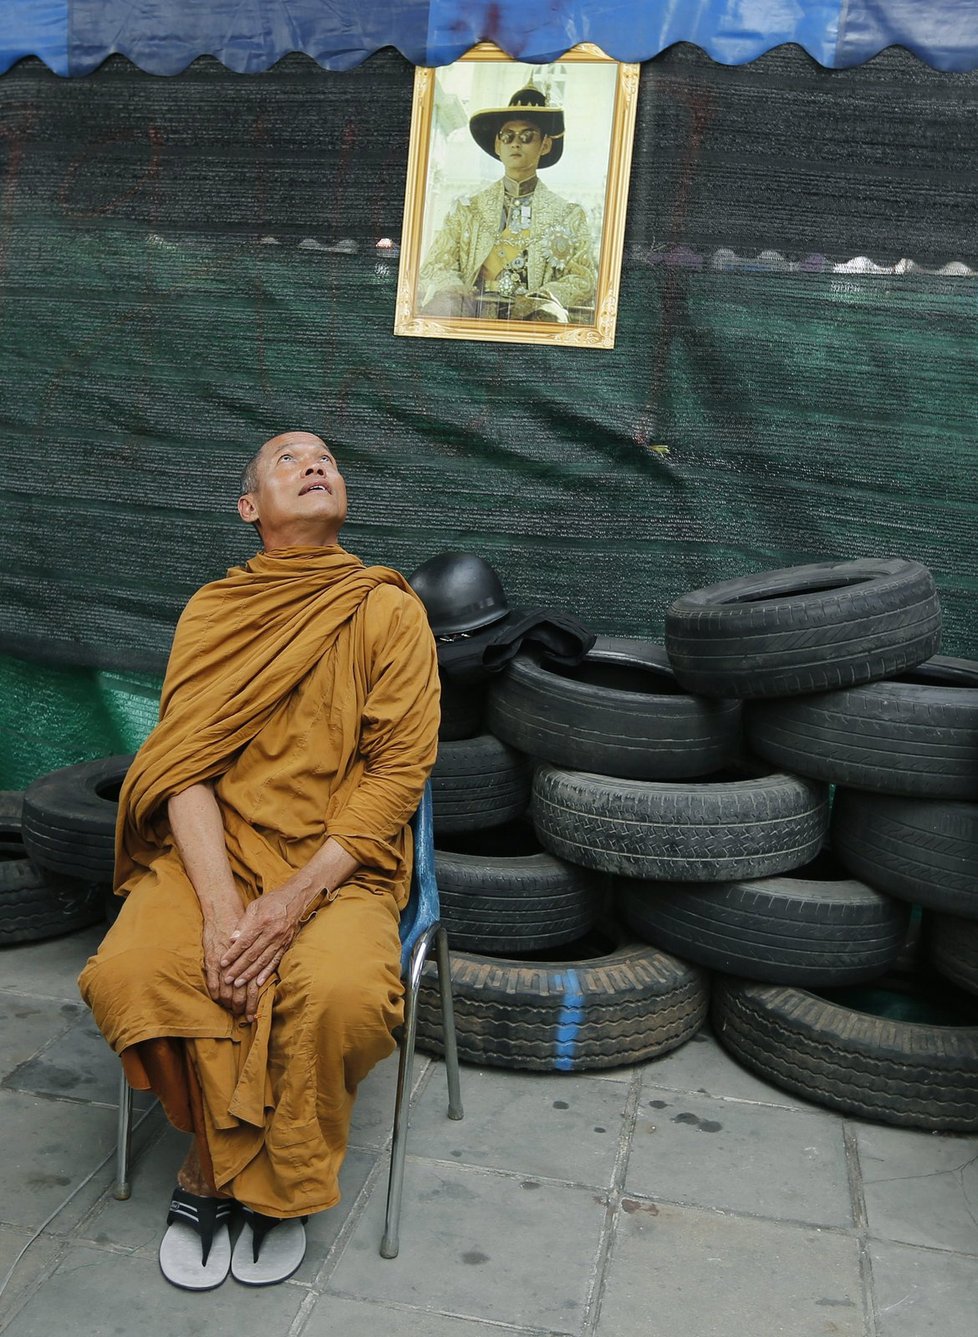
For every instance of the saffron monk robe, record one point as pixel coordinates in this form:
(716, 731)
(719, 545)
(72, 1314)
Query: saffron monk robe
(252, 978)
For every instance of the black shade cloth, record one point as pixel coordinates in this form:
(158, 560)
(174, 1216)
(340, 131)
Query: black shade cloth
(188, 265)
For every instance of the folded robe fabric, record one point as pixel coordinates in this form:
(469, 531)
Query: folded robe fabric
(477, 657)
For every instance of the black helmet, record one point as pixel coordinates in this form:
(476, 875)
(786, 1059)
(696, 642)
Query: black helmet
(460, 592)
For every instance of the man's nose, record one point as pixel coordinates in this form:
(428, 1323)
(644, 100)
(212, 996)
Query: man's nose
(317, 468)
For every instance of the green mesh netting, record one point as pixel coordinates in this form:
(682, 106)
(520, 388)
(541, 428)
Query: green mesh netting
(189, 264)
(54, 716)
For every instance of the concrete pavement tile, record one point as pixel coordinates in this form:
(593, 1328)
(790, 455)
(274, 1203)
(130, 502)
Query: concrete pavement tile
(323, 1228)
(35, 1262)
(680, 1270)
(50, 969)
(559, 1126)
(373, 1113)
(743, 1158)
(334, 1314)
(94, 1291)
(29, 1024)
(923, 1292)
(479, 1246)
(138, 1223)
(78, 1066)
(49, 1147)
(920, 1189)
(703, 1067)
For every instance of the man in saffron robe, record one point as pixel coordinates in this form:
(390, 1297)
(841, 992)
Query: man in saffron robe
(252, 978)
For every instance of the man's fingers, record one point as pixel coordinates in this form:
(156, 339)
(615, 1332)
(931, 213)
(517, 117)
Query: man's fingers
(245, 973)
(269, 970)
(241, 940)
(212, 977)
(251, 1001)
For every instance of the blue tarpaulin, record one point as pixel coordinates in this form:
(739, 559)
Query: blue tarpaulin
(164, 36)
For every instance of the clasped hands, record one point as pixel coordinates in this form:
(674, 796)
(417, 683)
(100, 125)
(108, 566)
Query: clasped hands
(243, 949)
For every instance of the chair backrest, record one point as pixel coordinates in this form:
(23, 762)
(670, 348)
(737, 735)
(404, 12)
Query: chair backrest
(422, 909)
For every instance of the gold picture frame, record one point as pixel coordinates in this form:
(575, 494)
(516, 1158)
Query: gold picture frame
(483, 257)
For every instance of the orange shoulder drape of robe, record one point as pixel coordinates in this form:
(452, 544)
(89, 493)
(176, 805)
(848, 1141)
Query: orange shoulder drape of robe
(242, 645)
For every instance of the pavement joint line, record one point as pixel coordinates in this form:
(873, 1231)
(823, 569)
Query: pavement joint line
(309, 1302)
(860, 1219)
(41, 997)
(847, 1232)
(745, 1100)
(60, 1100)
(492, 1324)
(503, 1172)
(609, 1230)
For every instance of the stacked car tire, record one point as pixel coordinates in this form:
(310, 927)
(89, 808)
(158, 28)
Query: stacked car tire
(719, 846)
(36, 901)
(543, 978)
(842, 683)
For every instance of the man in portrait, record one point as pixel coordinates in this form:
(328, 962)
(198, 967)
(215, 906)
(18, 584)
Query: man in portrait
(516, 250)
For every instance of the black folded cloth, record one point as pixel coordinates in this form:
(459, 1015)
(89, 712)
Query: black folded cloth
(477, 655)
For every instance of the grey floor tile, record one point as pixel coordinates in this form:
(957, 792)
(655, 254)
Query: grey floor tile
(79, 1065)
(373, 1113)
(29, 1024)
(50, 969)
(920, 1189)
(677, 1270)
(559, 1126)
(49, 1146)
(923, 1292)
(38, 1259)
(138, 1223)
(93, 1291)
(744, 1158)
(479, 1245)
(703, 1067)
(334, 1314)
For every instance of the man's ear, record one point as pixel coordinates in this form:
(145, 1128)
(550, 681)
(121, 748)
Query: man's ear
(546, 146)
(247, 509)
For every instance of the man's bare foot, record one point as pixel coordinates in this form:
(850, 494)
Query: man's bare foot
(191, 1176)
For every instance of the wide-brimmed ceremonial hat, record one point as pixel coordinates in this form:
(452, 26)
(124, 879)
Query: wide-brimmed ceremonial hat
(527, 104)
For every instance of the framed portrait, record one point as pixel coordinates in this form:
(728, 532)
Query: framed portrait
(514, 211)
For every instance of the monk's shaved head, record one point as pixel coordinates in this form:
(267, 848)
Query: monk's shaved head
(251, 474)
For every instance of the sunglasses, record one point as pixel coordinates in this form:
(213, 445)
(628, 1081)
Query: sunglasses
(524, 136)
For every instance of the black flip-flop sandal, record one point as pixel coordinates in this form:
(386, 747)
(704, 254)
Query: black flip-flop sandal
(268, 1250)
(195, 1252)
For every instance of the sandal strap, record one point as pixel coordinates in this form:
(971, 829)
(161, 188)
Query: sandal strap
(260, 1226)
(203, 1215)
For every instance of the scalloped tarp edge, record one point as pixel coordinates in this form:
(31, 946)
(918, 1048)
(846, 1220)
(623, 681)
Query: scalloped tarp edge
(248, 36)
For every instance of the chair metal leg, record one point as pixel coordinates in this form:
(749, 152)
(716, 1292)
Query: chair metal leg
(455, 1110)
(402, 1100)
(122, 1188)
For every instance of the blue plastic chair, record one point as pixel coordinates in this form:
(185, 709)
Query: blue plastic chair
(421, 927)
